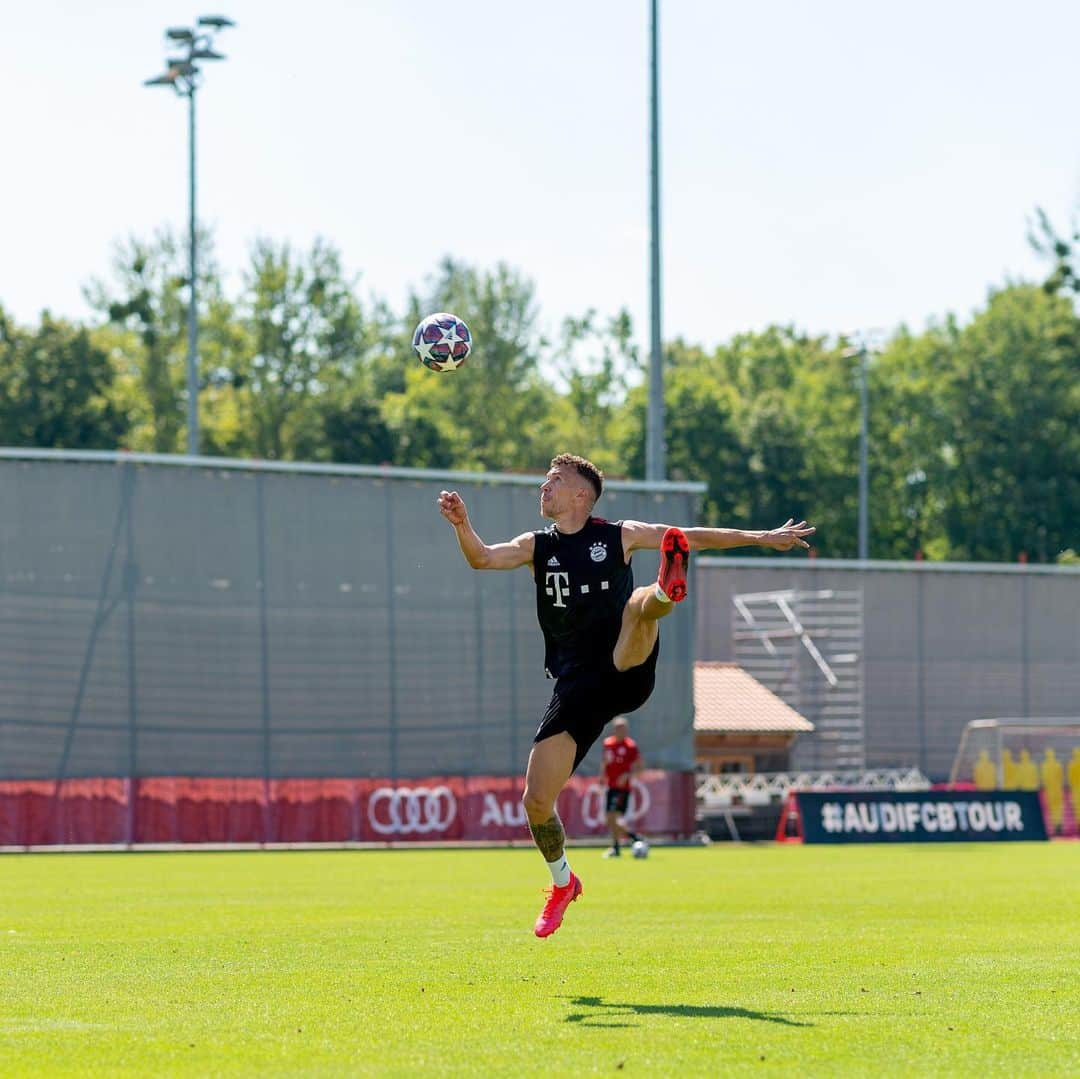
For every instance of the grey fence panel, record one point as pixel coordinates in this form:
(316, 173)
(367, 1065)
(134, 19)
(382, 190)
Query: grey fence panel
(1051, 646)
(225, 619)
(196, 636)
(943, 644)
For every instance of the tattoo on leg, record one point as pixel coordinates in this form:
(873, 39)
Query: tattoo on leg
(549, 837)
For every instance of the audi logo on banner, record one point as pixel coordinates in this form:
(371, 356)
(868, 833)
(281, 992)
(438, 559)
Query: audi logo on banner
(423, 810)
(592, 803)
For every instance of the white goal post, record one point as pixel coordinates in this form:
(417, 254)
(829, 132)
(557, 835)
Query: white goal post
(1017, 748)
(1039, 753)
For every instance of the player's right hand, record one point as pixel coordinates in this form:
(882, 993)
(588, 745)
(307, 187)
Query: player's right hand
(452, 507)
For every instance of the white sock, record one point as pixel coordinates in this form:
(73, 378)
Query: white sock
(662, 596)
(560, 872)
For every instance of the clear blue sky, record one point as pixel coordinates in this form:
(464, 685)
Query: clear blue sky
(837, 165)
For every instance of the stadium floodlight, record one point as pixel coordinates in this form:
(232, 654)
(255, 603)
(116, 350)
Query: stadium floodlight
(861, 352)
(183, 76)
(865, 344)
(655, 466)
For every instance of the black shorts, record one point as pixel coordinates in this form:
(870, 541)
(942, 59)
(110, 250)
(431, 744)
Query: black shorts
(617, 799)
(583, 704)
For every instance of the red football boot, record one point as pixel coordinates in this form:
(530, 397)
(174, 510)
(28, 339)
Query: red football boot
(558, 899)
(674, 564)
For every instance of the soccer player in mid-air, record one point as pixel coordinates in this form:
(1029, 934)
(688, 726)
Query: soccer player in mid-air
(601, 634)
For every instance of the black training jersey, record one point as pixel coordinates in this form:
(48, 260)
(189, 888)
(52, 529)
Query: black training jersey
(582, 585)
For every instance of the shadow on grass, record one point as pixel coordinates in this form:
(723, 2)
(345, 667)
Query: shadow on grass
(601, 1013)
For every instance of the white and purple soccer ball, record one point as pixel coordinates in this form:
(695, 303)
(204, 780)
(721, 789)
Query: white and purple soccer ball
(442, 341)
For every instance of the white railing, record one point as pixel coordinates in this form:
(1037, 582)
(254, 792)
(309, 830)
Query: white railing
(763, 788)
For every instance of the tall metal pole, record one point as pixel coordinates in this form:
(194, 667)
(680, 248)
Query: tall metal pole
(864, 465)
(182, 75)
(193, 293)
(654, 429)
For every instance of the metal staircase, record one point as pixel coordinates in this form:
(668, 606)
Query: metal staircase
(807, 647)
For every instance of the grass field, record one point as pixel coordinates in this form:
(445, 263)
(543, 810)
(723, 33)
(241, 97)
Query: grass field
(918, 960)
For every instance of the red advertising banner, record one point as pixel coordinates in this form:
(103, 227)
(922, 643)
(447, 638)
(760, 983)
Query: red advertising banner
(179, 809)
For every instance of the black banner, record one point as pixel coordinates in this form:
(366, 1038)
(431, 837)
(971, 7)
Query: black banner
(919, 816)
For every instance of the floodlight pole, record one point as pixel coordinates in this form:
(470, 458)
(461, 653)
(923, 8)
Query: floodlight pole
(182, 74)
(864, 457)
(654, 425)
(193, 297)
(861, 351)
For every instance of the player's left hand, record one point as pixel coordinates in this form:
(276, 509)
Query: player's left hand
(788, 535)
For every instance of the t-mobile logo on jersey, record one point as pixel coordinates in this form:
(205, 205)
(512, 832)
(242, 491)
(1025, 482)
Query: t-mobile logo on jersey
(558, 586)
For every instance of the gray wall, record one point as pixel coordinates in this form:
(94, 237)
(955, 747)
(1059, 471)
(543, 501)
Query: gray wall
(943, 644)
(222, 618)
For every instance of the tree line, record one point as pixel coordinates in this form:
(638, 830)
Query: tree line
(974, 432)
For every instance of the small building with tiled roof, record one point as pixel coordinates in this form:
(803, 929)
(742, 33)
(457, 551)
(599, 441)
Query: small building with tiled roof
(739, 725)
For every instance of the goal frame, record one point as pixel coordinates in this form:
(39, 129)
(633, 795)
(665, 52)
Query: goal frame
(1000, 726)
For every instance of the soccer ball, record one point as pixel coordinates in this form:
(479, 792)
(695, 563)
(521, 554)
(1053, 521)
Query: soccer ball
(442, 341)
(640, 849)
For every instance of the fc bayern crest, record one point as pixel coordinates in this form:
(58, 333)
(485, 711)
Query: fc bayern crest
(598, 552)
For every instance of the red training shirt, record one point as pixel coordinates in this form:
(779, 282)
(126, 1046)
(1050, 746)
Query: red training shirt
(619, 758)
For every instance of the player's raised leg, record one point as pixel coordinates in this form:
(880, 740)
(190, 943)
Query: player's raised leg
(648, 604)
(550, 765)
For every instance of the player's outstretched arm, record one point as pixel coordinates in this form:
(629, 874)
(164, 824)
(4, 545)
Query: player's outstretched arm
(517, 552)
(640, 536)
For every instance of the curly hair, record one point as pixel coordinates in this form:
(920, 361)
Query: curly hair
(584, 468)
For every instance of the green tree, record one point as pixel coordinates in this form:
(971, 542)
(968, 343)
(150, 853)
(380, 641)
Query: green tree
(496, 413)
(595, 362)
(702, 442)
(765, 452)
(146, 307)
(306, 342)
(354, 431)
(55, 388)
(825, 399)
(1010, 402)
(350, 412)
(1061, 251)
